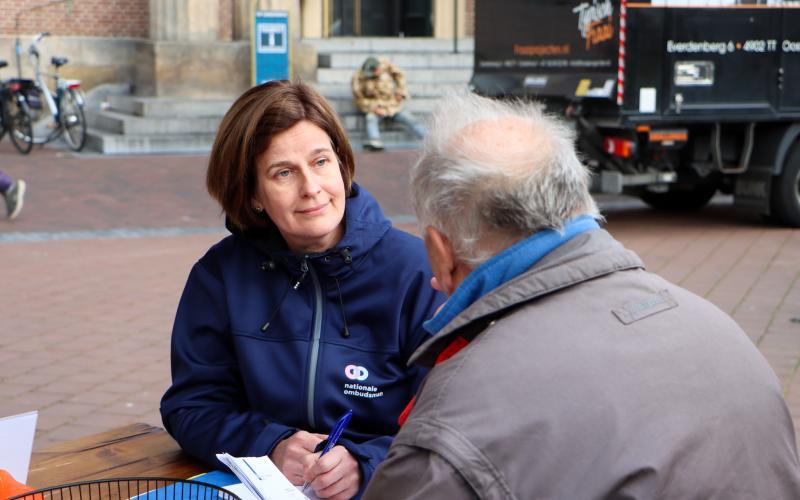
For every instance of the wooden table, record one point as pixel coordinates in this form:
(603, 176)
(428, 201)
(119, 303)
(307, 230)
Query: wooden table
(133, 450)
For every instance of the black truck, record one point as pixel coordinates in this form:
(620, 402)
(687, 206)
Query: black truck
(671, 103)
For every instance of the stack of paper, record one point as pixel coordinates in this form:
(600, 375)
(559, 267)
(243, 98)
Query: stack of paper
(16, 444)
(262, 478)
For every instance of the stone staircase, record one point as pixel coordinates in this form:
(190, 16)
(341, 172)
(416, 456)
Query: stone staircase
(431, 67)
(151, 125)
(148, 125)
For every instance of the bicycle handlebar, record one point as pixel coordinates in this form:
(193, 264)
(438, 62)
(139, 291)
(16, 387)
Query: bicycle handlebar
(38, 38)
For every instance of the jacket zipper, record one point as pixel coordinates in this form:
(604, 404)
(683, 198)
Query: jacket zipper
(312, 368)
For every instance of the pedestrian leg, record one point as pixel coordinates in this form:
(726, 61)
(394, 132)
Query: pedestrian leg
(373, 142)
(5, 182)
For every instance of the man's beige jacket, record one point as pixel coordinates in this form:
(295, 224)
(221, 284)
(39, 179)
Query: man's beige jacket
(387, 90)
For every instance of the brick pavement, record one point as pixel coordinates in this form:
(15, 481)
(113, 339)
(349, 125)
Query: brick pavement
(85, 318)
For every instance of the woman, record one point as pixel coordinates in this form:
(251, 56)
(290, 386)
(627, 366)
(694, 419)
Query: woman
(311, 307)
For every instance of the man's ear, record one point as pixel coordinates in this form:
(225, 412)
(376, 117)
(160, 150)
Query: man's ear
(442, 258)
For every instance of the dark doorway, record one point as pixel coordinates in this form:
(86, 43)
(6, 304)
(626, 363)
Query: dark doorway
(381, 18)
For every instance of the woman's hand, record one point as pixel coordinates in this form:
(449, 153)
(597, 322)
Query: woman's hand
(335, 476)
(291, 453)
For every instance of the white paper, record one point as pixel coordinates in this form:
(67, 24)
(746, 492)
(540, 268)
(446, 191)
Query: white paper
(16, 434)
(647, 100)
(242, 492)
(262, 478)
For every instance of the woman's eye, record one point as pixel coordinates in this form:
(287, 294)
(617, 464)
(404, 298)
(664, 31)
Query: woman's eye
(321, 162)
(282, 173)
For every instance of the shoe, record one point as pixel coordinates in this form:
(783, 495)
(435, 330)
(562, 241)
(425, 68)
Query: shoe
(373, 145)
(15, 197)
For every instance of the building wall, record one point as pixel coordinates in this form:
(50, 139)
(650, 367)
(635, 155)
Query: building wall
(172, 47)
(101, 18)
(469, 28)
(131, 18)
(226, 20)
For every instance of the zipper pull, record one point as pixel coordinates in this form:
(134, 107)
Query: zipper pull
(304, 270)
(346, 255)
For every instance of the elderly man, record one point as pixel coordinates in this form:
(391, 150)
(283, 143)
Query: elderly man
(561, 368)
(379, 90)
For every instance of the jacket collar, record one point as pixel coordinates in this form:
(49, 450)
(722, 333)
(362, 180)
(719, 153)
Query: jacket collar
(365, 226)
(506, 266)
(586, 256)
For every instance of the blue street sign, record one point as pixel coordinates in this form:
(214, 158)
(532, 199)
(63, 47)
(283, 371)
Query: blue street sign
(271, 46)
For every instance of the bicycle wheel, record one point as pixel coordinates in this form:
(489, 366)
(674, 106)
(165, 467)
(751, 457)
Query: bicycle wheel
(73, 121)
(19, 125)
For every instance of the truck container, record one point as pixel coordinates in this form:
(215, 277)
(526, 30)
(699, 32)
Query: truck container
(672, 102)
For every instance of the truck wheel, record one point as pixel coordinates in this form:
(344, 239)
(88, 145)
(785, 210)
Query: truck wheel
(681, 200)
(785, 195)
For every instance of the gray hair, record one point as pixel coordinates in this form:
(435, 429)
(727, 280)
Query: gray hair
(480, 198)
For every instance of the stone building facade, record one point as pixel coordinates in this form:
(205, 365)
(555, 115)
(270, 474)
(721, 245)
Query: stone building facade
(201, 48)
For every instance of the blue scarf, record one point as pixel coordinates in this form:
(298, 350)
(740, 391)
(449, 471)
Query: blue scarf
(506, 266)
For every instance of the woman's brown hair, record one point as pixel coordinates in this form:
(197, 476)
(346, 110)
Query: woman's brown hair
(253, 120)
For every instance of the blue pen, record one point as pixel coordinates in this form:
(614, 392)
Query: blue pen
(333, 437)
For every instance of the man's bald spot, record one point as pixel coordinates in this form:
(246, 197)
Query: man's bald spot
(508, 141)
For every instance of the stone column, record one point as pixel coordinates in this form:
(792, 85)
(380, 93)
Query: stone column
(184, 20)
(184, 56)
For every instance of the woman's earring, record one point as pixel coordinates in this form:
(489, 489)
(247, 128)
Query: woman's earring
(258, 209)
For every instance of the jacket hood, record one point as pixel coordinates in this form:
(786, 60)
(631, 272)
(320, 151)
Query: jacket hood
(585, 257)
(365, 226)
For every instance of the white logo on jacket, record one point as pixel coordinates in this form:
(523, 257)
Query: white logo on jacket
(355, 372)
(359, 374)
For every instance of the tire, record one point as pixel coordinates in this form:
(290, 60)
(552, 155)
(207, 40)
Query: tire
(785, 191)
(20, 126)
(681, 199)
(73, 121)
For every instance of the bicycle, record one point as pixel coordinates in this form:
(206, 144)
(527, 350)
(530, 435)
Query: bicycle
(66, 105)
(14, 115)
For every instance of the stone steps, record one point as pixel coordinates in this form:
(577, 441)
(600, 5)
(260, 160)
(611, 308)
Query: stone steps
(405, 60)
(337, 90)
(169, 106)
(108, 143)
(344, 106)
(431, 67)
(150, 125)
(426, 75)
(153, 125)
(115, 122)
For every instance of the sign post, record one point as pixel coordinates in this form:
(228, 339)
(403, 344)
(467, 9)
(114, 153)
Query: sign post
(270, 46)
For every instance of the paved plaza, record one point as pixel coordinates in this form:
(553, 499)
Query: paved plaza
(92, 270)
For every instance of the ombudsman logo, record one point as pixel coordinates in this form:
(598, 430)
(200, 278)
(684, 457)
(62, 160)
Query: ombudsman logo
(359, 374)
(355, 372)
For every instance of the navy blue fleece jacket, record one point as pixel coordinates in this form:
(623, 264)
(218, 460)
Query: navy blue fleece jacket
(267, 342)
